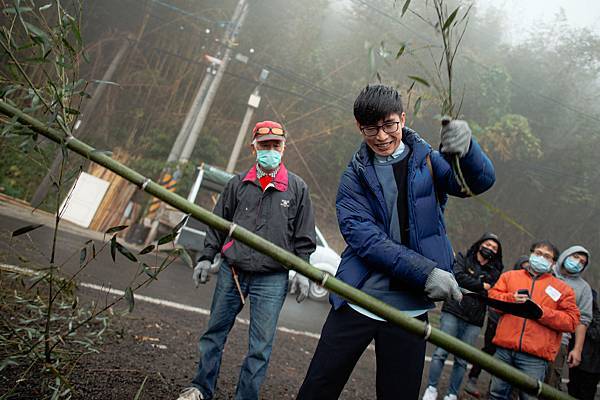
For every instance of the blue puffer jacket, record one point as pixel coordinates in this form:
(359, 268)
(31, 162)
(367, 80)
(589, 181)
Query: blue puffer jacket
(364, 223)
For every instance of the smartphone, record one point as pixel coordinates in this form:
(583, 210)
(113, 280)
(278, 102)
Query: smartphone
(523, 291)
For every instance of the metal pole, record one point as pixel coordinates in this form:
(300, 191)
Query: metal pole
(214, 86)
(496, 367)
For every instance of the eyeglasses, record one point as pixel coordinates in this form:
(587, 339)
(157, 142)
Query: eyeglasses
(373, 130)
(547, 256)
(266, 130)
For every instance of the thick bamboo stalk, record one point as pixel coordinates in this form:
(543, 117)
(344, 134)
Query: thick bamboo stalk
(355, 296)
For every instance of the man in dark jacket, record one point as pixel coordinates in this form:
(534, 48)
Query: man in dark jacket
(584, 378)
(476, 271)
(391, 216)
(273, 203)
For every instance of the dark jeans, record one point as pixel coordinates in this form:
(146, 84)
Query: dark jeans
(582, 385)
(346, 334)
(533, 366)
(488, 346)
(266, 293)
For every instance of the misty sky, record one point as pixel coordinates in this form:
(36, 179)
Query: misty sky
(525, 13)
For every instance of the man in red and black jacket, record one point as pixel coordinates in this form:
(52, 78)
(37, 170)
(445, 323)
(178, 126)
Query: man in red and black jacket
(273, 203)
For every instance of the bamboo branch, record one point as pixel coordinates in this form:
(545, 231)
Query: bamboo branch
(422, 329)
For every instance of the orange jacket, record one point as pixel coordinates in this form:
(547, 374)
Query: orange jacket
(540, 338)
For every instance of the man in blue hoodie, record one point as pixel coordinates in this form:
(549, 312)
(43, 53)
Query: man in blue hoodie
(390, 206)
(569, 267)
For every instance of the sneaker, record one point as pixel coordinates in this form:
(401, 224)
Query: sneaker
(450, 397)
(430, 393)
(471, 388)
(190, 393)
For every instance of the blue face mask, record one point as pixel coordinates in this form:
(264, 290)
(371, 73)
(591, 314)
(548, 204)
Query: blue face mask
(572, 265)
(268, 159)
(539, 264)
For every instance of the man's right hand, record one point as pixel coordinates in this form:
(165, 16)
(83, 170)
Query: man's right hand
(201, 272)
(441, 285)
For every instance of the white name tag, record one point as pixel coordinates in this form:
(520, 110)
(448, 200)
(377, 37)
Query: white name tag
(553, 293)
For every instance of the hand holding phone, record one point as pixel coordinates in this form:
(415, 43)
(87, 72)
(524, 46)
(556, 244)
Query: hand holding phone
(521, 295)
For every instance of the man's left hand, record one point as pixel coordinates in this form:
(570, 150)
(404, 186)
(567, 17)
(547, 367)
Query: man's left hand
(456, 137)
(300, 283)
(574, 358)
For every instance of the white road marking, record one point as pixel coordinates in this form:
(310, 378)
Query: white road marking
(175, 305)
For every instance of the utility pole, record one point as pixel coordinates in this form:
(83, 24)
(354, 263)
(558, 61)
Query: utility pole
(80, 125)
(188, 135)
(253, 103)
(232, 32)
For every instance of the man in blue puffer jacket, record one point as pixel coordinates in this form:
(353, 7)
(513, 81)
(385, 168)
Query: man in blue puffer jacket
(390, 211)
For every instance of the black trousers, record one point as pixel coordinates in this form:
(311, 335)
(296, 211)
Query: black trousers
(488, 346)
(582, 385)
(346, 334)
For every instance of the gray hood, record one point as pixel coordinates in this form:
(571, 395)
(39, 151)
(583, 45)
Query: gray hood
(563, 256)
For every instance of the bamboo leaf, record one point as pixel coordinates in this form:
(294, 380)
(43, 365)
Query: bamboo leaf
(113, 247)
(139, 392)
(450, 19)
(99, 81)
(417, 105)
(167, 238)
(180, 224)
(129, 298)
(123, 250)
(419, 79)
(400, 51)
(25, 229)
(15, 10)
(147, 249)
(405, 7)
(82, 255)
(115, 229)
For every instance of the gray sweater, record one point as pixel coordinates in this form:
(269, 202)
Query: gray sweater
(583, 291)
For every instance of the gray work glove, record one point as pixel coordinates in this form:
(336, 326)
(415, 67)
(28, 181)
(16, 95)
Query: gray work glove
(201, 272)
(441, 285)
(301, 284)
(456, 137)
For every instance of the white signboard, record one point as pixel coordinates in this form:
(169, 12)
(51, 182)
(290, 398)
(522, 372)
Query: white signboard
(84, 199)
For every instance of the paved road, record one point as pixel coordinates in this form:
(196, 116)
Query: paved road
(174, 284)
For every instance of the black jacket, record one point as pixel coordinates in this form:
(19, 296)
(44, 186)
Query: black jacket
(470, 275)
(590, 355)
(282, 214)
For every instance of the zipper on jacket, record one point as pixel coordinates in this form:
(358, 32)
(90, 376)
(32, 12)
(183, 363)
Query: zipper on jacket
(524, 319)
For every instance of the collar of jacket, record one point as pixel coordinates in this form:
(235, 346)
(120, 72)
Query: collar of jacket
(280, 182)
(362, 163)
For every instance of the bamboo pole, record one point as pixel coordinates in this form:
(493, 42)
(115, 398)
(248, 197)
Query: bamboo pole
(494, 366)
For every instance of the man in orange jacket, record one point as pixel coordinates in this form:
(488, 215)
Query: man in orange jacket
(525, 344)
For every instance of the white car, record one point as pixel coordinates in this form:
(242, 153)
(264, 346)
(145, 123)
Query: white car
(324, 258)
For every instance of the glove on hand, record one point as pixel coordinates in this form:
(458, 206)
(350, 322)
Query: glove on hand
(441, 285)
(456, 137)
(201, 272)
(300, 283)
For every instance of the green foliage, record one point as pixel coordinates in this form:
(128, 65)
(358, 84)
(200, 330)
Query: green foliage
(511, 138)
